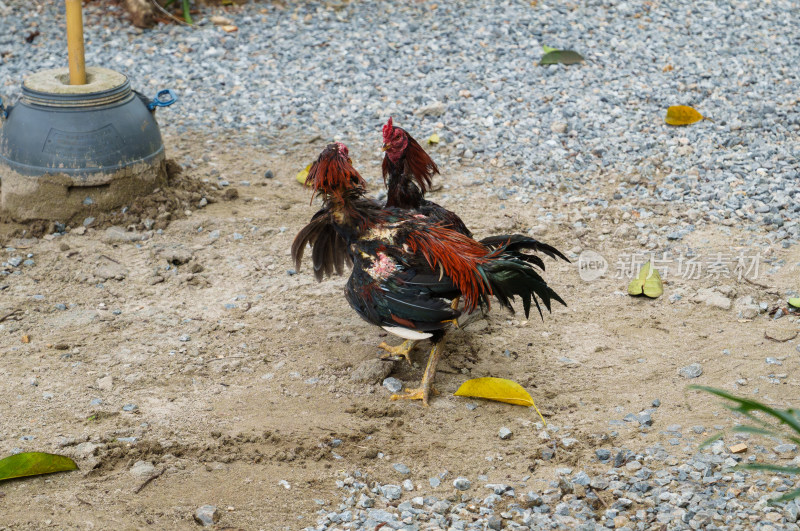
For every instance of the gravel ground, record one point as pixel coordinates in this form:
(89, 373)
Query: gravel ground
(298, 73)
(469, 70)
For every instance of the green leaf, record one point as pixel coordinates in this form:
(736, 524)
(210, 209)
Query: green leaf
(754, 430)
(786, 497)
(34, 464)
(647, 282)
(795, 302)
(565, 57)
(547, 49)
(186, 15)
(746, 406)
(710, 440)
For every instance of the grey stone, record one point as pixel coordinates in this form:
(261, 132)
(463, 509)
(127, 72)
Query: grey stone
(713, 298)
(207, 515)
(391, 492)
(495, 522)
(504, 433)
(393, 385)
(785, 448)
(434, 109)
(581, 478)
(401, 468)
(142, 469)
(691, 371)
(365, 502)
(462, 483)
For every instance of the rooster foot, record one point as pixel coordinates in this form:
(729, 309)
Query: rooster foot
(403, 350)
(416, 394)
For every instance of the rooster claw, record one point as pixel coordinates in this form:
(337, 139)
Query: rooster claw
(393, 353)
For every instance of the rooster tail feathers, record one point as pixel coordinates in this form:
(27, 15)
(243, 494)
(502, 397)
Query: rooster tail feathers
(517, 245)
(510, 278)
(329, 249)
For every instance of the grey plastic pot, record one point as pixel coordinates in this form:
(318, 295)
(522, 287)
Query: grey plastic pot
(66, 151)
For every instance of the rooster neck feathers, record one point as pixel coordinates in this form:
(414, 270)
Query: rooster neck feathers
(407, 168)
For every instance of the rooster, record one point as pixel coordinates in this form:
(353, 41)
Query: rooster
(408, 174)
(408, 268)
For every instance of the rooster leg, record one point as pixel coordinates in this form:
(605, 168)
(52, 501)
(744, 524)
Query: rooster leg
(401, 350)
(454, 304)
(424, 392)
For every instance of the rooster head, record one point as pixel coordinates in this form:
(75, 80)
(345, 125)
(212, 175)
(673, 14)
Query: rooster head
(333, 173)
(395, 141)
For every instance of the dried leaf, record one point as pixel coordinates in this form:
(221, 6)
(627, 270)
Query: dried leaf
(34, 464)
(26, 338)
(795, 302)
(218, 20)
(565, 57)
(433, 139)
(302, 174)
(647, 282)
(230, 29)
(499, 390)
(683, 115)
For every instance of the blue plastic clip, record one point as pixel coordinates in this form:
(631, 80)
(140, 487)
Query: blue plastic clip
(159, 100)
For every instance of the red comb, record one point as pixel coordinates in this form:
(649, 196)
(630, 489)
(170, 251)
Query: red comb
(387, 131)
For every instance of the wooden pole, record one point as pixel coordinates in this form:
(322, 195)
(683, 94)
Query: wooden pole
(77, 62)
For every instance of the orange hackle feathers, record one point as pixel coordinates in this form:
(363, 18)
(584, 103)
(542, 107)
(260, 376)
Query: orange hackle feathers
(418, 163)
(457, 256)
(333, 173)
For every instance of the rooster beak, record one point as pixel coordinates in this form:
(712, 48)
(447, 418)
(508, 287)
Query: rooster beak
(385, 147)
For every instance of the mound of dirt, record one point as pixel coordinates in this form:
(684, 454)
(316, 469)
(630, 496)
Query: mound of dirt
(148, 212)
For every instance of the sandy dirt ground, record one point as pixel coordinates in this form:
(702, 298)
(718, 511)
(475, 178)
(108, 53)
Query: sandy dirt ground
(197, 355)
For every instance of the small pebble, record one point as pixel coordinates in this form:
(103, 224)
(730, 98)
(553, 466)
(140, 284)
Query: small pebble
(462, 483)
(393, 385)
(691, 371)
(401, 468)
(207, 515)
(504, 433)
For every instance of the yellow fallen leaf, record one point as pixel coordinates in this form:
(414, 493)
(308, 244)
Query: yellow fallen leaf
(302, 174)
(795, 302)
(647, 282)
(26, 338)
(683, 115)
(499, 390)
(433, 139)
